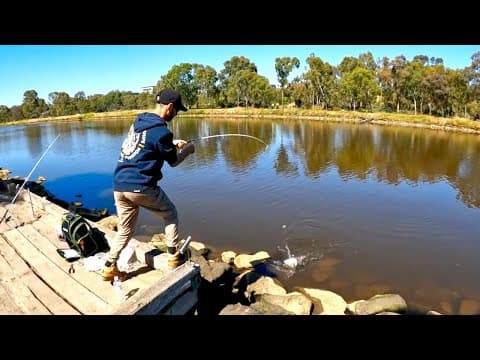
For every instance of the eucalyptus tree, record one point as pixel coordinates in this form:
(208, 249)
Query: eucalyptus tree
(436, 61)
(262, 93)
(227, 79)
(472, 73)
(474, 78)
(459, 94)
(145, 100)
(320, 77)
(206, 78)
(385, 80)
(113, 100)
(61, 104)
(299, 91)
(438, 89)
(473, 109)
(347, 65)
(181, 78)
(422, 59)
(283, 67)
(16, 113)
(360, 87)
(4, 113)
(97, 103)
(247, 88)
(32, 106)
(411, 83)
(81, 103)
(367, 60)
(396, 66)
(129, 100)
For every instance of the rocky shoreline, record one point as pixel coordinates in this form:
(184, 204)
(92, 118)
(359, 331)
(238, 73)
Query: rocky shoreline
(243, 284)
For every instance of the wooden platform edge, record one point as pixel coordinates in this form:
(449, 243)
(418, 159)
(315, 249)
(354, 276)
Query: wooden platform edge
(174, 294)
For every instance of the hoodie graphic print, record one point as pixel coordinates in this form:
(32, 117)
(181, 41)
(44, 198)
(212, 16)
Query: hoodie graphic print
(148, 144)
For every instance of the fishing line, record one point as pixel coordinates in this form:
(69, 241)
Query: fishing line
(28, 177)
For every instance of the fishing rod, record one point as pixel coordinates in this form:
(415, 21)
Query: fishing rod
(220, 135)
(28, 177)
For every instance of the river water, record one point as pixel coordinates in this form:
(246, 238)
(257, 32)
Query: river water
(363, 209)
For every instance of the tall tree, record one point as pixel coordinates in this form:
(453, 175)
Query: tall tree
(283, 67)
(411, 82)
(320, 78)
(181, 78)
(4, 113)
(397, 65)
(227, 77)
(206, 78)
(32, 106)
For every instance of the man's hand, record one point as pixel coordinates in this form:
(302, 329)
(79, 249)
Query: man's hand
(179, 143)
(185, 146)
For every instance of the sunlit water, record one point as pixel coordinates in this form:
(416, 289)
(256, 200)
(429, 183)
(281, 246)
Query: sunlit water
(356, 209)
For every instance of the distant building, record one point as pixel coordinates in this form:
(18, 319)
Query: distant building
(147, 89)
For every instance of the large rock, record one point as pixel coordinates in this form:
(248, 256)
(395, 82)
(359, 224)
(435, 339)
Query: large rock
(264, 285)
(377, 304)
(244, 261)
(293, 302)
(325, 302)
(228, 257)
(238, 309)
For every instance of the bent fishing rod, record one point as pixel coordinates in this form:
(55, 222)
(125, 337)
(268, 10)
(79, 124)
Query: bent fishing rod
(28, 177)
(221, 135)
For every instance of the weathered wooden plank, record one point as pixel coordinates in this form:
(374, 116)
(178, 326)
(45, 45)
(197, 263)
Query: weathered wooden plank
(54, 213)
(75, 293)
(154, 299)
(19, 292)
(49, 298)
(7, 305)
(89, 279)
(46, 226)
(41, 205)
(23, 211)
(10, 221)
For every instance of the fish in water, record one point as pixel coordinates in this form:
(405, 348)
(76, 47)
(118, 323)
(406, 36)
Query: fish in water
(292, 261)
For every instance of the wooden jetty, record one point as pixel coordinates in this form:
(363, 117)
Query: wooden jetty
(35, 279)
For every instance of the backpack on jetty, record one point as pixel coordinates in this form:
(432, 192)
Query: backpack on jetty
(80, 235)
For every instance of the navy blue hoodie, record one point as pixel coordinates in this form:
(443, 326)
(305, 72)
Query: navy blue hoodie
(147, 145)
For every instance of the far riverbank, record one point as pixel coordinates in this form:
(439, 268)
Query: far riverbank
(378, 118)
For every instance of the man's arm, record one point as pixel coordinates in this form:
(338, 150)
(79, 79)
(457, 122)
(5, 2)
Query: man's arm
(186, 148)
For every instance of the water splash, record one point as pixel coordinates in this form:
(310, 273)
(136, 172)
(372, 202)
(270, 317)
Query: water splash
(305, 251)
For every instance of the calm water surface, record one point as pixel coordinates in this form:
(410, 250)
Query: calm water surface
(364, 209)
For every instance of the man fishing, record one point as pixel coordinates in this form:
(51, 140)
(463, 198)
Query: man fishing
(148, 144)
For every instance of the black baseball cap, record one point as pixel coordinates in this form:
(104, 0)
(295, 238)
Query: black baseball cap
(167, 96)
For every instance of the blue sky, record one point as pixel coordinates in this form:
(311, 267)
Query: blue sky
(98, 69)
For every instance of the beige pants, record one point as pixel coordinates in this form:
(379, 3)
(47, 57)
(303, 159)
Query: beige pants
(128, 206)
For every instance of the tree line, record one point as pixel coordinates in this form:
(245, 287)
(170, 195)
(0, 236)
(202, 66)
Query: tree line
(422, 85)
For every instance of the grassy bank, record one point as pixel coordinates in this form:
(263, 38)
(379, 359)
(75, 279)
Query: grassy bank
(379, 118)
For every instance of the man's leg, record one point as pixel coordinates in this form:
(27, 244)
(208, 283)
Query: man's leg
(158, 202)
(127, 212)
